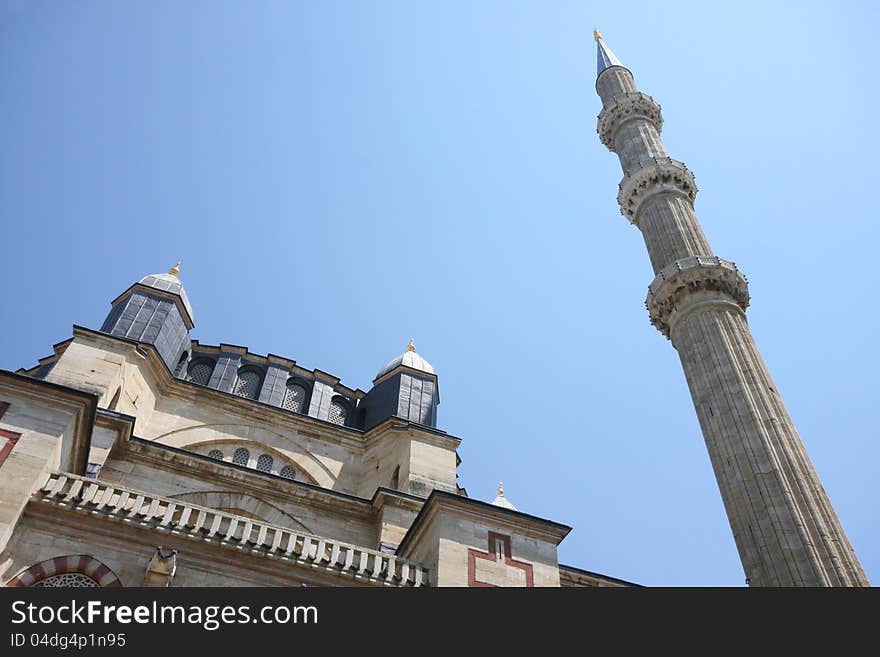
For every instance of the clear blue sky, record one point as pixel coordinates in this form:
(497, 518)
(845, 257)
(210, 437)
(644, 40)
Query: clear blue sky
(338, 177)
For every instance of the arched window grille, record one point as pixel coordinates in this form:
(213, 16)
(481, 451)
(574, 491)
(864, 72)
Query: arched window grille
(241, 456)
(215, 454)
(264, 463)
(200, 371)
(288, 472)
(67, 580)
(295, 397)
(248, 383)
(338, 411)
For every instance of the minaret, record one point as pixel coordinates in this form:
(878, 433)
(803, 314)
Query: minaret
(785, 528)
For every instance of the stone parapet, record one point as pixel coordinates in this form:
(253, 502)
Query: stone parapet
(227, 530)
(689, 282)
(659, 175)
(627, 107)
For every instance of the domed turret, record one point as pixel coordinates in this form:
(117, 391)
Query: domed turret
(408, 358)
(155, 310)
(170, 283)
(405, 388)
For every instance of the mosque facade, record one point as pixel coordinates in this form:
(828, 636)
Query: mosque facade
(134, 455)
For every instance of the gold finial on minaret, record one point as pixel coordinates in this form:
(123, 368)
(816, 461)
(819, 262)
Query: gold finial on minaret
(597, 34)
(175, 270)
(412, 346)
(500, 489)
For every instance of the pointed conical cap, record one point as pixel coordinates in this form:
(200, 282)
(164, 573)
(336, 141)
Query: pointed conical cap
(606, 58)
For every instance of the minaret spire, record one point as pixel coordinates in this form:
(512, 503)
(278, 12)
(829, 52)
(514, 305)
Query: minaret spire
(606, 58)
(785, 528)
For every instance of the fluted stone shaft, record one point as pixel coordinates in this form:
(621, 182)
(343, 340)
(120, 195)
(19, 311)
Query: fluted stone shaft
(785, 528)
(671, 230)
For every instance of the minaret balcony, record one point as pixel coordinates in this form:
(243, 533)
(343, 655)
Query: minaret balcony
(626, 107)
(691, 282)
(660, 175)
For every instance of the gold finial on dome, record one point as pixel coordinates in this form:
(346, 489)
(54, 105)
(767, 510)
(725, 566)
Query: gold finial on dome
(412, 346)
(597, 34)
(500, 489)
(175, 270)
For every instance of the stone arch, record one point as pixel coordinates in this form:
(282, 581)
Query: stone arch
(83, 564)
(299, 455)
(252, 507)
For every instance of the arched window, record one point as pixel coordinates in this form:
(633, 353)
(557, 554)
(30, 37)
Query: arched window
(248, 383)
(200, 371)
(264, 463)
(288, 472)
(181, 364)
(241, 456)
(338, 411)
(295, 397)
(73, 570)
(215, 454)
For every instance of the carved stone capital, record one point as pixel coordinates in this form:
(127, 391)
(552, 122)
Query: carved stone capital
(656, 176)
(626, 107)
(690, 282)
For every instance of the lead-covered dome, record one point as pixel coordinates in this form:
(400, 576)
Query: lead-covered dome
(170, 283)
(408, 358)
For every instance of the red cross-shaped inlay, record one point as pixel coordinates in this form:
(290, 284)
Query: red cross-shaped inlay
(496, 567)
(7, 438)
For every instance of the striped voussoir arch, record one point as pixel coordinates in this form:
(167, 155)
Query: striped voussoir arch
(74, 563)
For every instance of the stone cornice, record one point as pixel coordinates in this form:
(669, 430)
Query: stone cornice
(388, 497)
(660, 175)
(694, 282)
(516, 522)
(395, 425)
(83, 405)
(121, 423)
(624, 108)
(245, 409)
(581, 577)
(57, 352)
